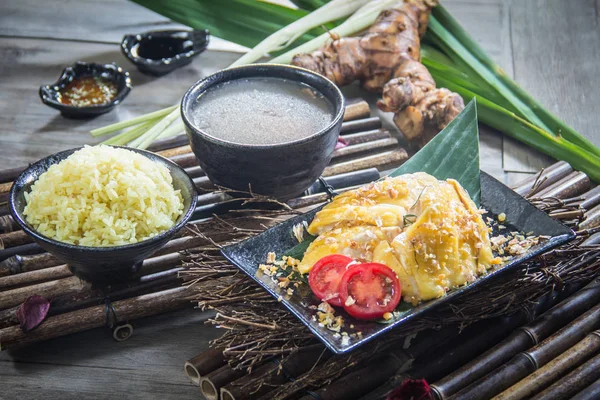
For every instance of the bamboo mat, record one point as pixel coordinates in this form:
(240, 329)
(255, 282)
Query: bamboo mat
(25, 269)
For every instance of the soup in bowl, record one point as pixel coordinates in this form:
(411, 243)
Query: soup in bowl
(266, 128)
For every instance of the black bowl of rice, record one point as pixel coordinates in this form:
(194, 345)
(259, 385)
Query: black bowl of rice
(102, 209)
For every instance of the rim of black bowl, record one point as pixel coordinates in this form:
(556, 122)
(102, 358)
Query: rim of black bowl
(203, 84)
(130, 39)
(70, 72)
(65, 153)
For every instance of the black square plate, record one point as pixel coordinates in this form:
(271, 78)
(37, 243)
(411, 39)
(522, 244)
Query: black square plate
(496, 198)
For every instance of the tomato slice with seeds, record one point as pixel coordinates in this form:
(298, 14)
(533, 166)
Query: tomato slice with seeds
(324, 277)
(369, 290)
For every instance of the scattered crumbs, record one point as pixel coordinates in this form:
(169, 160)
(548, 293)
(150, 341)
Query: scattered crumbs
(502, 217)
(500, 227)
(271, 257)
(336, 335)
(298, 231)
(349, 301)
(345, 339)
(351, 326)
(279, 298)
(387, 316)
(290, 291)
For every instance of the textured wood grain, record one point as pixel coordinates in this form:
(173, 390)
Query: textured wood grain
(556, 52)
(149, 365)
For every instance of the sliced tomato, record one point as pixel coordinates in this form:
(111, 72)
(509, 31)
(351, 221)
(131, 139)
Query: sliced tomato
(324, 277)
(369, 290)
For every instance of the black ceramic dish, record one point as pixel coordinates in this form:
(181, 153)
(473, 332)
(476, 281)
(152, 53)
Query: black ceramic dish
(50, 93)
(496, 198)
(280, 170)
(101, 264)
(160, 52)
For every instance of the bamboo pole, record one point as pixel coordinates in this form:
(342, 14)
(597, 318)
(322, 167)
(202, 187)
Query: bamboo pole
(590, 392)
(573, 184)
(70, 285)
(22, 250)
(591, 219)
(360, 382)
(15, 238)
(527, 362)
(34, 277)
(360, 125)
(554, 370)
(591, 198)
(7, 224)
(10, 174)
(211, 384)
(574, 382)
(520, 340)
(266, 377)
(96, 316)
(381, 160)
(545, 178)
(18, 264)
(364, 148)
(357, 110)
(202, 364)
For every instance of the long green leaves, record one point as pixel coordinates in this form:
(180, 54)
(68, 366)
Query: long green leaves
(452, 153)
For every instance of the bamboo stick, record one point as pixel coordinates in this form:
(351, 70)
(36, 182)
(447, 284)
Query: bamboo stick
(5, 187)
(211, 384)
(19, 264)
(169, 143)
(380, 160)
(360, 125)
(15, 238)
(360, 382)
(554, 370)
(591, 219)
(23, 250)
(520, 340)
(185, 160)
(7, 224)
(70, 285)
(591, 198)
(96, 316)
(590, 392)
(202, 364)
(34, 277)
(10, 174)
(368, 147)
(527, 362)
(547, 177)
(573, 184)
(574, 382)
(265, 378)
(357, 110)
(72, 302)
(175, 151)
(195, 172)
(367, 136)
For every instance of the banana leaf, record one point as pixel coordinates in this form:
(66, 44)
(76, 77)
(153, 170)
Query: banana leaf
(453, 153)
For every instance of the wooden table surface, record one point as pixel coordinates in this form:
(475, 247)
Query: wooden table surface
(551, 48)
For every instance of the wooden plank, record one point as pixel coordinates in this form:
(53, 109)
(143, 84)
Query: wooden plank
(556, 52)
(86, 20)
(149, 365)
(31, 130)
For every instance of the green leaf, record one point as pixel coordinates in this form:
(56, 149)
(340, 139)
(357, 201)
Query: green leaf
(453, 153)
(298, 251)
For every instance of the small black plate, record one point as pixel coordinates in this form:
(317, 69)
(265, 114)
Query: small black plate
(496, 198)
(160, 52)
(112, 72)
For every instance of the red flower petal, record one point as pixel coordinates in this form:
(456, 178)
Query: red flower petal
(411, 389)
(32, 312)
(341, 143)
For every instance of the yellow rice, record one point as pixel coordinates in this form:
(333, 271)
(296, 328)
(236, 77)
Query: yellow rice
(103, 196)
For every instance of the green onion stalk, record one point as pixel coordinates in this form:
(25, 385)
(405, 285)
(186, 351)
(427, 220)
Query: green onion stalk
(453, 58)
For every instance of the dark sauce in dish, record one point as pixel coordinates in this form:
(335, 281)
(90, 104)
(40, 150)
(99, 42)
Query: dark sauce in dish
(158, 48)
(88, 91)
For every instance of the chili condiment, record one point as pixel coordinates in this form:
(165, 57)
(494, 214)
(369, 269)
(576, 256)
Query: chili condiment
(88, 91)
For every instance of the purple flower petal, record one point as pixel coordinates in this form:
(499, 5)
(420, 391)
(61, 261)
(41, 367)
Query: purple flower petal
(32, 312)
(341, 143)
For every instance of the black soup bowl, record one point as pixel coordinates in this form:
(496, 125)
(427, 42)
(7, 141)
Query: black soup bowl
(281, 170)
(101, 265)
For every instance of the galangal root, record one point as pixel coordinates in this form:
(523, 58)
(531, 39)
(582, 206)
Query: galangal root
(386, 59)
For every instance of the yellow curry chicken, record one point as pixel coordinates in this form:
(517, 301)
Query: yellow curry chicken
(429, 232)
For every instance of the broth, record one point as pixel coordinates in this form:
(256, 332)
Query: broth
(262, 111)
